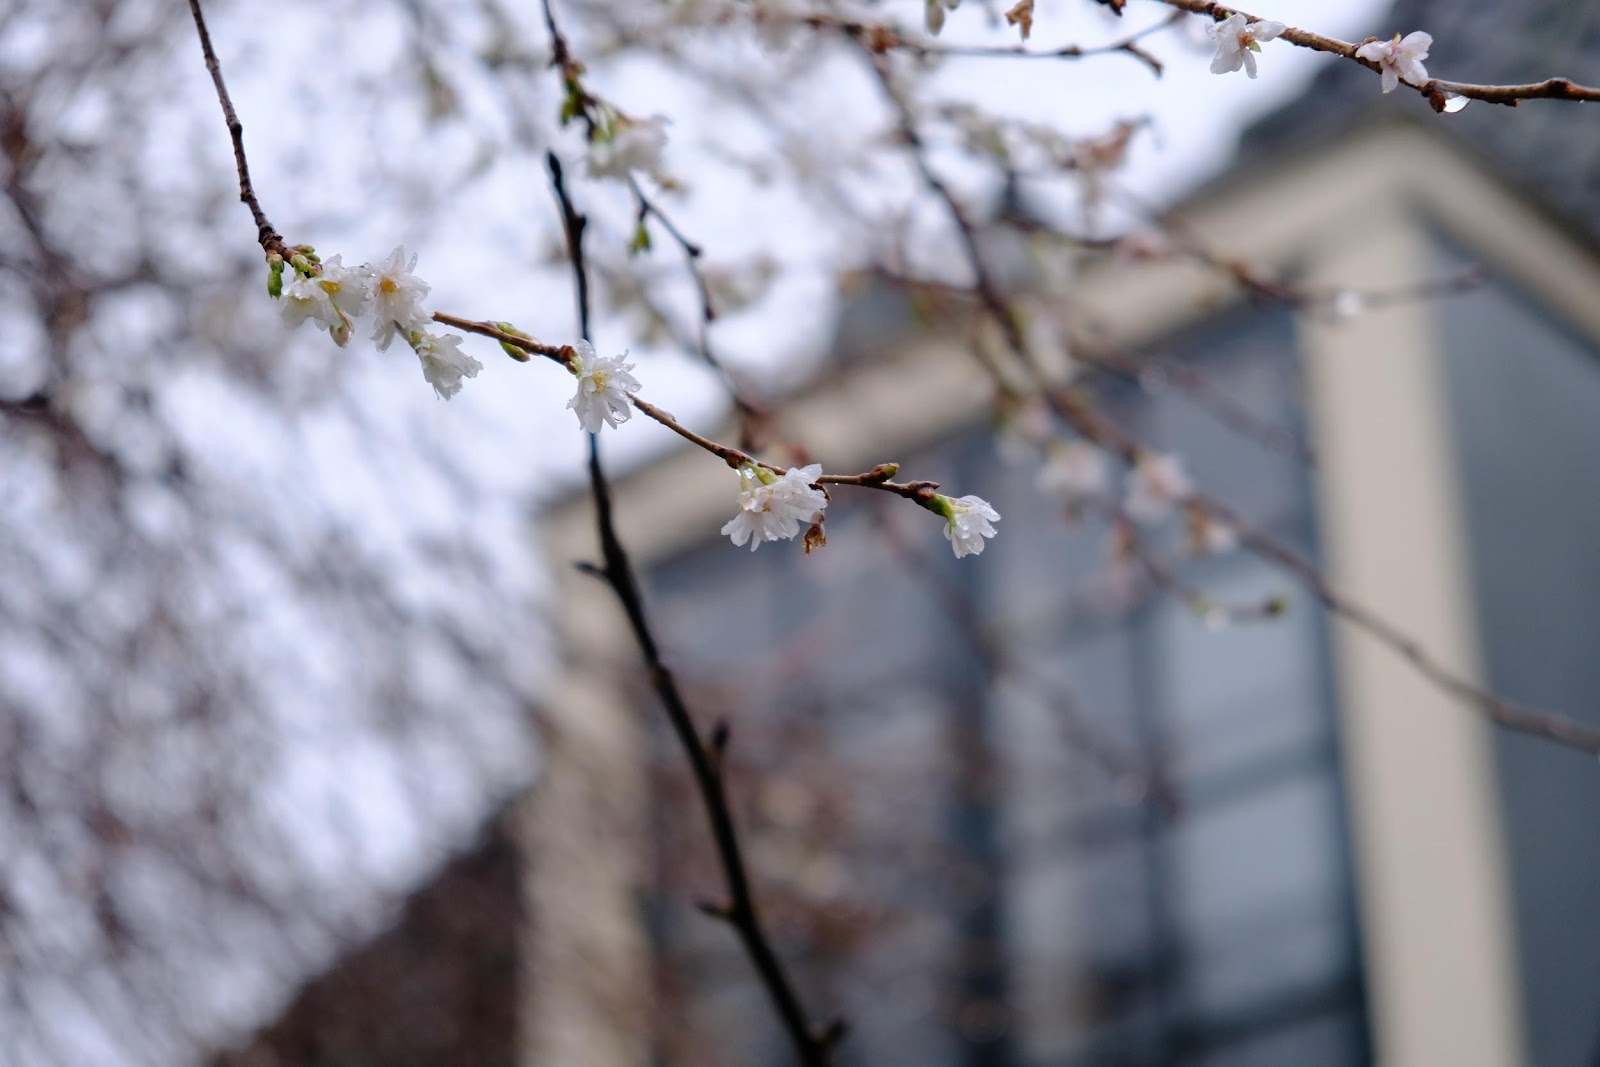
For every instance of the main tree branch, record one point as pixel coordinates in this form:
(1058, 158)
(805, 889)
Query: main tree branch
(813, 1047)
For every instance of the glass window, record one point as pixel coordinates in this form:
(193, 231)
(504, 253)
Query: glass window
(1068, 821)
(1524, 396)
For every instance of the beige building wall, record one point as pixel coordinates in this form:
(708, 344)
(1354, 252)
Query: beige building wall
(587, 972)
(1435, 911)
(1439, 944)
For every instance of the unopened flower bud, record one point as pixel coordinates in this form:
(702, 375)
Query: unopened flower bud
(518, 354)
(640, 241)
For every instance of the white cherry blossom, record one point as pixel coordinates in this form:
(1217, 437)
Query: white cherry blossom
(330, 299)
(775, 507)
(603, 387)
(633, 144)
(1400, 58)
(346, 286)
(303, 299)
(968, 520)
(1237, 42)
(1156, 485)
(397, 298)
(1074, 471)
(443, 362)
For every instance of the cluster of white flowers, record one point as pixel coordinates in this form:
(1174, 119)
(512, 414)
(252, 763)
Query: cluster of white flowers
(933, 13)
(1399, 59)
(1156, 485)
(1238, 40)
(968, 520)
(331, 298)
(397, 295)
(775, 507)
(334, 296)
(604, 383)
(622, 145)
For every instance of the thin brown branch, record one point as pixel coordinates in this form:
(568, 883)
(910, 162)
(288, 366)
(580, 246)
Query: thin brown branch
(562, 354)
(1436, 91)
(266, 236)
(752, 416)
(1193, 385)
(1521, 718)
(1074, 409)
(879, 477)
(1549, 89)
(1253, 280)
(1464, 280)
(881, 39)
(1167, 576)
(1513, 716)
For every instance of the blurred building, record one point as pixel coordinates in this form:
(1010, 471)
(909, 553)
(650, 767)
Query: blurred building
(1028, 809)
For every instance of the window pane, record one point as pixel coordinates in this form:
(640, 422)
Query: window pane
(1122, 824)
(1524, 399)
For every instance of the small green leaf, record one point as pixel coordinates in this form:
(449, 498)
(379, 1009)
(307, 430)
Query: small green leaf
(640, 242)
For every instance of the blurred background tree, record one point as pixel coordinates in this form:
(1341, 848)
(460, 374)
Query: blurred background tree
(273, 624)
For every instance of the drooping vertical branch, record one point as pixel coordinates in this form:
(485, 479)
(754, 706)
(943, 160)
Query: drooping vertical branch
(705, 755)
(268, 237)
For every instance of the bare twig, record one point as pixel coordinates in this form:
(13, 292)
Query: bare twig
(1152, 781)
(1250, 277)
(1194, 387)
(1072, 407)
(268, 237)
(879, 477)
(561, 354)
(881, 39)
(752, 416)
(1521, 718)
